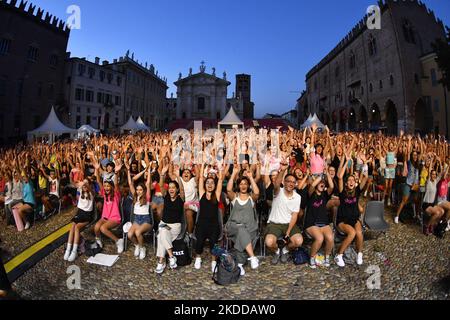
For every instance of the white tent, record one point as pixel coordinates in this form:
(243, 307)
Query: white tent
(231, 120)
(312, 120)
(142, 125)
(51, 128)
(130, 126)
(86, 130)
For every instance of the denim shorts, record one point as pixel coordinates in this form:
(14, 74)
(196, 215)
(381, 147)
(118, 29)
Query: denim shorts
(157, 200)
(142, 219)
(389, 173)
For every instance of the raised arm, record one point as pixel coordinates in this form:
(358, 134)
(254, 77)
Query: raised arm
(230, 192)
(255, 189)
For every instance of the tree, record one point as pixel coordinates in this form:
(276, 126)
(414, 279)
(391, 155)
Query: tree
(442, 49)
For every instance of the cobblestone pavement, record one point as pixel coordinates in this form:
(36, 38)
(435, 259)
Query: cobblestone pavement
(14, 242)
(411, 265)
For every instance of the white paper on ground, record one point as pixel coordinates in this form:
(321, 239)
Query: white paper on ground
(103, 259)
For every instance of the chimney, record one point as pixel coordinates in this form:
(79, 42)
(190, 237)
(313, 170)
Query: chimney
(105, 62)
(97, 60)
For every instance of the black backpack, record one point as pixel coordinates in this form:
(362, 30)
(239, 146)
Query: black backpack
(91, 248)
(182, 252)
(226, 271)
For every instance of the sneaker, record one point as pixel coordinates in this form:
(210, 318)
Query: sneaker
(213, 266)
(66, 255)
(99, 242)
(142, 253)
(389, 202)
(448, 227)
(396, 220)
(326, 262)
(339, 260)
(72, 256)
(312, 262)
(284, 256)
(275, 258)
(198, 263)
(359, 259)
(242, 269)
(27, 225)
(172, 262)
(254, 262)
(119, 244)
(160, 267)
(137, 249)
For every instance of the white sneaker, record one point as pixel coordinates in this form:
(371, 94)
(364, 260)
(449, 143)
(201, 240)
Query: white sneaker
(27, 225)
(142, 252)
(396, 220)
(72, 256)
(172, 262)
(198, 263)
(160, 267)
(137, 250)
(66, 255)
(359, 259)
(448, 227)
(213, 266)
(242, 269)
(254, 262)
(119, 244)
(99, 242)
(339, 260)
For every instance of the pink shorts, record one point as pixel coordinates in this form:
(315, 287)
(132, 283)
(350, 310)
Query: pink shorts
(193, 205)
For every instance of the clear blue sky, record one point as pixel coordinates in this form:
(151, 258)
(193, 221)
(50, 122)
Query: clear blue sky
(277, 42)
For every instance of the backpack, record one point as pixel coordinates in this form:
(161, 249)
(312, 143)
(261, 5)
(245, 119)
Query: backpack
(439, 230)
(226, 271)
(91, 248)
(182, 252)
(350, 256)
(300, 256)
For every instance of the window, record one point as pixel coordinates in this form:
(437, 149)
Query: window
(108, 99)
(89, 96)
(362, 90)
(315, 85)
(370, 88)
(436, 105)
(5, 44)
(79, 94)
(434, 81)
(19, 87)
(91, 72)
(372, 45)
(102, 76)
(81, 69)
(408, 32)
(78, 110)
(352, 60)
(119, 81)
(391, 80)
(201, 103)
(39, 89)
(3, 84)
(78, 121)
(99, 97)
(88, 119)
(33, 53)
(118, 101)
(110, 78)
(88, 110)
(381, 84)
(337, 72)
(117, 120)
(117, 113)
(54, 60)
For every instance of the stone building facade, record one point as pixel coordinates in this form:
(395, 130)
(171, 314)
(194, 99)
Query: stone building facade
(32, 53)
(372, 78)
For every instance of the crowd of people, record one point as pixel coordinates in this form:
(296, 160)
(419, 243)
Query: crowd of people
(302, 182)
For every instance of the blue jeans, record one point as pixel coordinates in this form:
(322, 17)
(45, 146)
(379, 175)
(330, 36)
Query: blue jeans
(142, 219)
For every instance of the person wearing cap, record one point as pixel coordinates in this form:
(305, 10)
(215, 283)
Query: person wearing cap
(84, 215)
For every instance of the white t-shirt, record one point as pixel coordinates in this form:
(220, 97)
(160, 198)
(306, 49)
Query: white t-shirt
(85, 204)
(190, 190)
(53, 186)
(142, 210)
(283, 207)
(430, 191)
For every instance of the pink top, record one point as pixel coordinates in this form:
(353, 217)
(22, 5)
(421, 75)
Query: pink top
(443, 188)
(111, 208)
(317, 163)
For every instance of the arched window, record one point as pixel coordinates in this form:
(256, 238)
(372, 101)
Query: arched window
(372, 45)
(352, 60)
(381, 84)
(408, 32)
(201, 103)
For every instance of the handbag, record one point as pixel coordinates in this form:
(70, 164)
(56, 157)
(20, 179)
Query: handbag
(226, 271)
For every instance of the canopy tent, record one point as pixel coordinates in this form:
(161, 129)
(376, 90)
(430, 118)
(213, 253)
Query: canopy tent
(51, 128)
(231, 120)
(86, 130)
(142, 125)
(312, 120)
(131, 126)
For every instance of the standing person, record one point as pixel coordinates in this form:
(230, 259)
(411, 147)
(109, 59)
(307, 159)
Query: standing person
(85, 214)
(389, 174)
(110, 213)
(242, 225)
(191, 204)
(347, 219)
(143, 222)
(170, 225)
(283, 217)
(208, 224)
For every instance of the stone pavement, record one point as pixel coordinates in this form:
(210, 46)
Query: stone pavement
(411, 265)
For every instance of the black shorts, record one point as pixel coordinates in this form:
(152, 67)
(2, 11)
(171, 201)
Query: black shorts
(83, 216)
